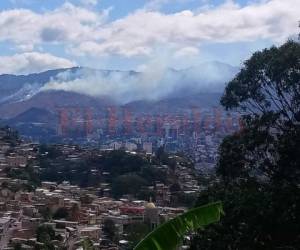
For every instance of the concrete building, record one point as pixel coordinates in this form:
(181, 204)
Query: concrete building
(148, 147)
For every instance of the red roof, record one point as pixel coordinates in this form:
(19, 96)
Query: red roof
(132, 210)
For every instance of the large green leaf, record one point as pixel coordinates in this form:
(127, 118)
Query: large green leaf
(169, 235)
(87, 244)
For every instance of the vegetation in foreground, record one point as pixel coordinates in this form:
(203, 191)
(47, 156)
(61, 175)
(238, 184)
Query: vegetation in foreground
(171, 233)
(259, 167)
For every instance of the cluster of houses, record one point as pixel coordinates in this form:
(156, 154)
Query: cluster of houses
(73, 212)
(21, 213)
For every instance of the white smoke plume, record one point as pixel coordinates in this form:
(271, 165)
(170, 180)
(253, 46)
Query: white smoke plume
(153, 83)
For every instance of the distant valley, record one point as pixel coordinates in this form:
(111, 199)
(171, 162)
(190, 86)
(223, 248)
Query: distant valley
(31, 103)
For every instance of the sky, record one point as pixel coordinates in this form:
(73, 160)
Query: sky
(37, 35)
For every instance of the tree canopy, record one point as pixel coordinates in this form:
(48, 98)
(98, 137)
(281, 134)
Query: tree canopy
(259, 166)
(267, 90)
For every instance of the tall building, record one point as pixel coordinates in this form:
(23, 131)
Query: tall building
(147, 147)
(151, 215)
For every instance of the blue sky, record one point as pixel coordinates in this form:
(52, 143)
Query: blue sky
(37, 35)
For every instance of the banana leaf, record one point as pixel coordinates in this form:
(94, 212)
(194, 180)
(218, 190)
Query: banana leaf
(87, 244)
(170, 234)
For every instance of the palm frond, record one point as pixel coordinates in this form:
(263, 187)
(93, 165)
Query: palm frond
(169, 235)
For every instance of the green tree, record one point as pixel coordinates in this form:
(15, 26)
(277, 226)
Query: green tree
(136, 232)
(50, 150)
(46, 213)
(87, 244)
(259, 166)
(109, 229)
(45, 234)
(61, 213)
(161, 155)
(128, 184)
(267, 90)
(152, 174)
(119, 162)
(175, 187)
(18, 246)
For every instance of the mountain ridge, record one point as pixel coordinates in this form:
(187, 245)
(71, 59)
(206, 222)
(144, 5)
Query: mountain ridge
(174, 89)
(208, 77)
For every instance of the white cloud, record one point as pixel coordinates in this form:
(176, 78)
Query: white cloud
(143, 31)
(32, 62)
(86, 32)
(68, 23)
(90, 2)
(25, 47)
(187, 52)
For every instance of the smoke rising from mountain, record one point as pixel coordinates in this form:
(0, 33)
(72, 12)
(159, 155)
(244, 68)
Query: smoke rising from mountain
(154, 83)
